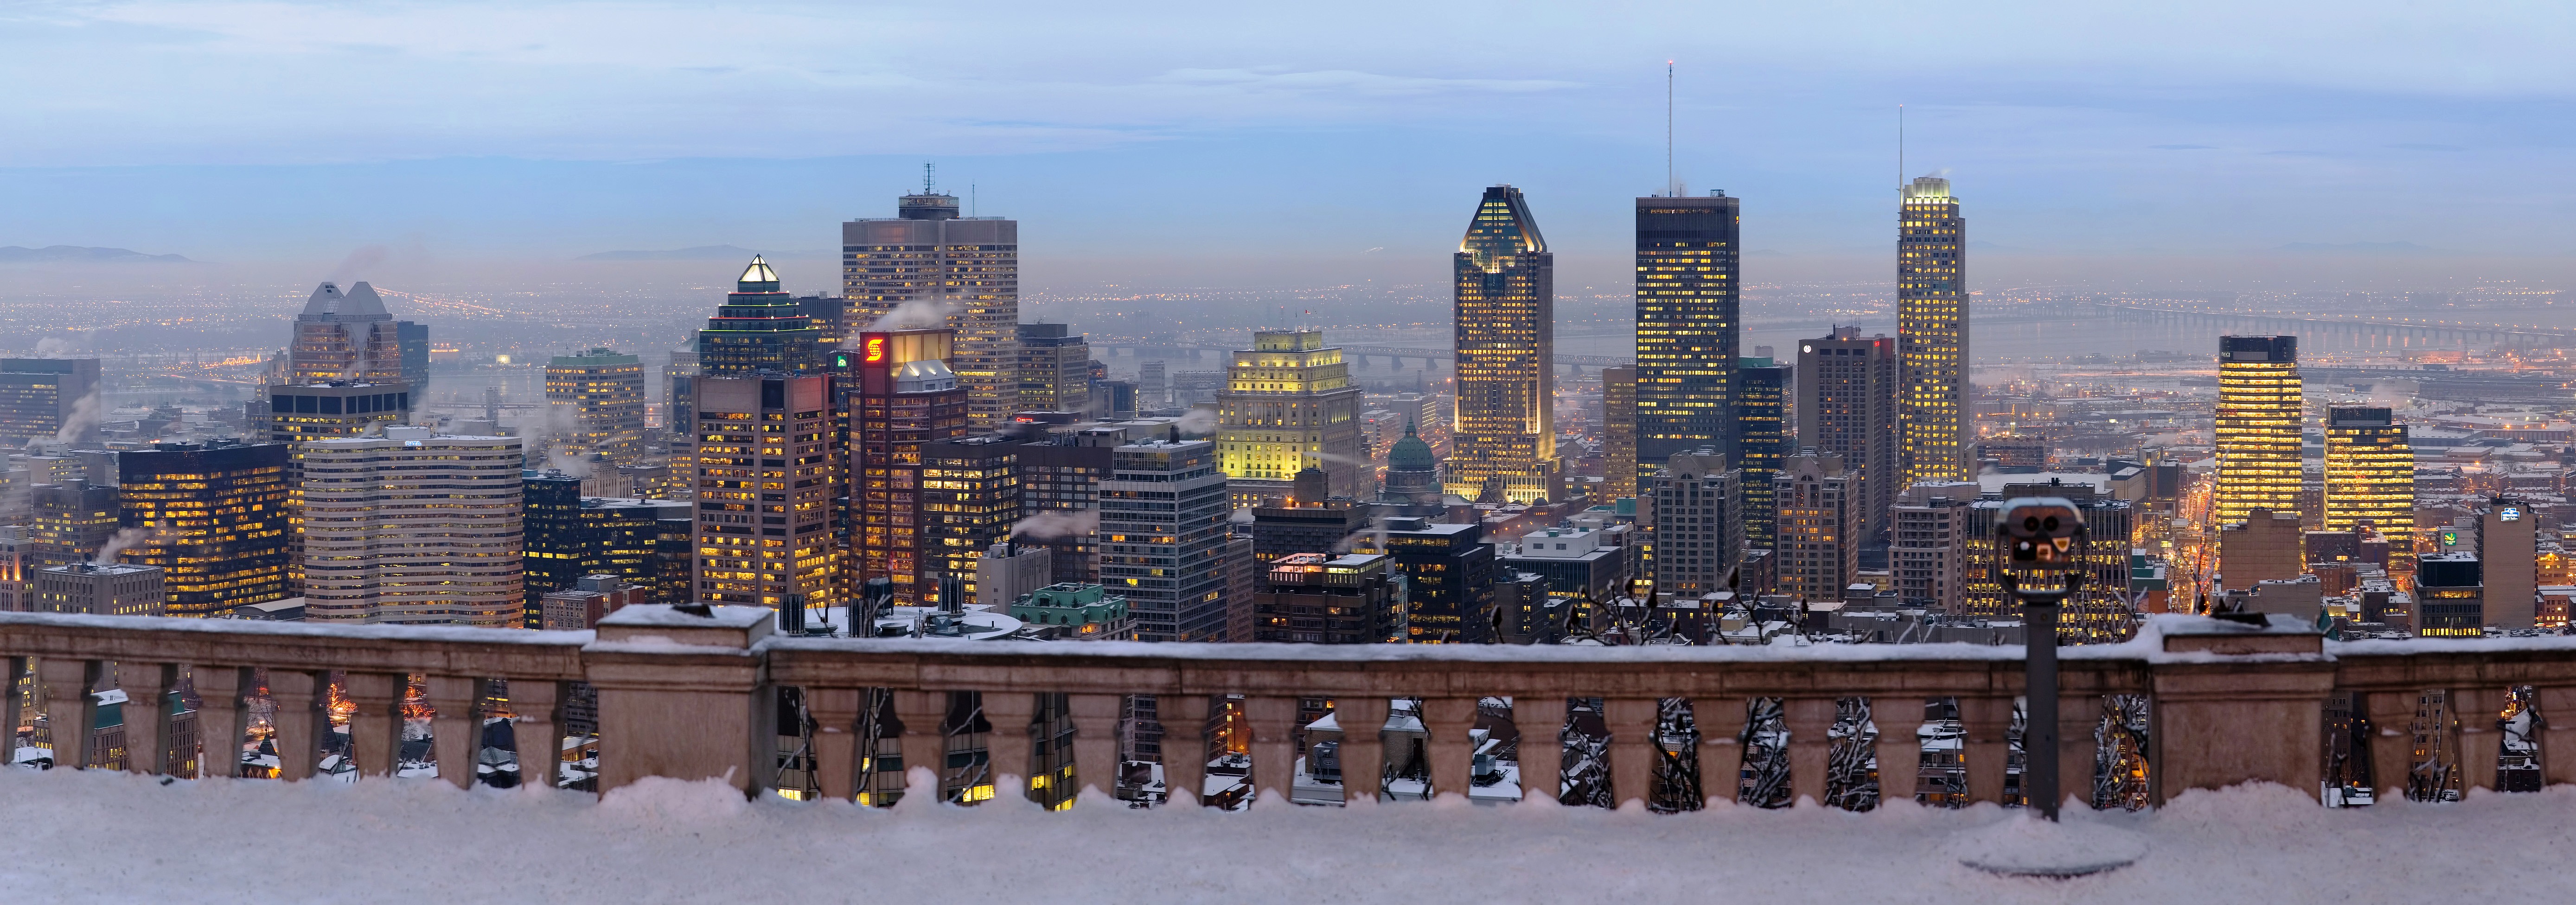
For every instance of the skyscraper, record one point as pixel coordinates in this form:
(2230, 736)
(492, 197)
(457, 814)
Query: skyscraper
(1761, 442)
(1819, 517)
(414, 528)
(1055, 369)
(966, 273)
(346, 337)
(1688, 326)
(598, 400)
(2258, 426)
(1289, 405)
(902, 398)
(49, 399)
(1847, 407)
(1932, 336)
(2370, 472)
(1163, 538)
(766, 472)
(758, 328)
(1504, 434)
(1698, 523)
(1618, 432)
(214, 519)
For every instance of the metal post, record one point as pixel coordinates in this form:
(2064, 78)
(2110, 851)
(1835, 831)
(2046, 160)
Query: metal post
(2039, 728)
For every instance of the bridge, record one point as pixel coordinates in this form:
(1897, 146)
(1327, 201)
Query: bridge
(2518, 336)
(1356, 354)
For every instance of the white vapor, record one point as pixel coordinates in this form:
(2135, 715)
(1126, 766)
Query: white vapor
(1058, 523)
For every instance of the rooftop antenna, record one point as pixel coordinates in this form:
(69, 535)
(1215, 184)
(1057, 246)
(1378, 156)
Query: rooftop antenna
(925, 177)
(1669, 190)
(970, 199)
(1900, 153)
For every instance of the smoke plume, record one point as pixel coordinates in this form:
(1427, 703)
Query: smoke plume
(59, 347)
(1198, 421)
(366, 258)
(81, 420)
(918, 314)
(125, 539)
(1058, 523)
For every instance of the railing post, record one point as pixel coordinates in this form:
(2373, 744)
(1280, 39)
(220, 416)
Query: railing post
(1273, 719)
(1184, 747)
(924, 742)
(1541, 722)
(537, 729)
(1631, 722)
(1363, 751)
(1721, 746)
(219, 719)
(147, 714)
(2558, 734)
(375, 728)
(1899, 746)
(2392, 741)
(836, 740)
(1987, 720)
(1010, 712)
(456, 734)
(12, 669)
(69, 709)
(300, 722)
(685, 696)
(1453, 754)
(2078, 716)
(1095, 741)
(1810, 722)
(2481, 741)
(2275, 677)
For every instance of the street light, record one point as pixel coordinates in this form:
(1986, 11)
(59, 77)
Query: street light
(2035, 538)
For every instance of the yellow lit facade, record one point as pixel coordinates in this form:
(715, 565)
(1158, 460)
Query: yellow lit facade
(1618, 432)
(766, 469)
(598, 397)
(1288, 405)
(1932, 336)
(216, 513)
(965, 271)
(2370, 472)
(1503, 435)
(2259, 417)
(1687, 328)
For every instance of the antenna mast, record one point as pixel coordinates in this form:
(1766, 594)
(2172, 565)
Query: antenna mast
(925, 177)
(1669, 190)
(1900, 153)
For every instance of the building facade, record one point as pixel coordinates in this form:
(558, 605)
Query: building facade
(415, 528)
(899, 397)
(759, 328)
(1163, 538)
(109, 589)
(1618, 432)
(1932, 336)
(2260, 416)
(345, 338)
(965, 274)
(213, 517)
(2370, 472)
(1818, 526)
(1762, 439)
(1927, 545)
(766, 472)
(1289, 405)
(969, 501)
(1847, 407)
(597, 401)
(1322, 598)
(1503, 435)
(1449, 576)
(1698, 522)
(49, 399)
(1055, 369)
(1689, 326)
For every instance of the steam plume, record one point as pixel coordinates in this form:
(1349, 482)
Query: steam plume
(1058, 523)
(918, 314)
(125, 539)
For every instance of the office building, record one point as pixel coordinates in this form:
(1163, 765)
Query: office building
(597, 399)
(570, 536)
(1818, 525)
(590, 599)
(830, 315)
(968, 503)
(1762, 440)
(2264, 546)
(1927, 545)
(1153, 384)
(1323, 598)
(965, 274)
(1055, 369)
(1618, 432)
(1060, 499)
(1847, 408)
(18, 563)
(1584, 564)
(2450, 596)
(1932, 336)
(2509, 558)
(679, 393)
(1163, 538)
(1289, 405)
(2370, 472)
(53, 399)
(2259, 422)
(414, 528)
(901, 397)
(759, 328)
(345, 338)
(1503, 437)
(1449, 574)
(1298, 524)
(1412, 472)
(1075, 611)
(1688, 326)
(302, 414)
(1009, 571)
(766, 466)
(108, 589)
(2101, 613)
(1698, 522)
(72, 521)
(213, 517)
(413, 339)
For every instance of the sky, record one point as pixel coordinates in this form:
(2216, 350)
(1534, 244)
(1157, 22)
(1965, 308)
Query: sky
(1196, 143)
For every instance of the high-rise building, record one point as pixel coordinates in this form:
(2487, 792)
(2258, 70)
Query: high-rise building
(1326, 598)
(1055, 369)
(969, 500)
(759, 328)
(1762, 439)
(72, 521)
(1698, 522)
(965, 272)
(1503, 438)
(1932, 336)
(2259, 424)
(2265, 546)
(1289, 405)
(1688, 326)
(1847, 407)
(830, 315)
(766, 472)
(1153, 384)
(413, 339)
(49, 399)
(345, 338)
(1449, 578)
(414, 528)
(2370, 472)
(1163, 538)
(901, 397)
(1060, 499)
(300, 415)
(679, 397)
(98, 589)
(1927, 548)
(1618, 432)
(213, 517)
(18, 563)
(570, 536)
(598, 400)
(1304, 524)
(2509, 551)
(1818, 524)
(2450, 596)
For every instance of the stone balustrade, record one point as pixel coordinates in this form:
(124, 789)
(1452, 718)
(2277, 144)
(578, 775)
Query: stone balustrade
(693, 697)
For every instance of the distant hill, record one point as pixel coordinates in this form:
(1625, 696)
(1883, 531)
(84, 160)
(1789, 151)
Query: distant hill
(14, 254)
(700, 253)
(2358, 248)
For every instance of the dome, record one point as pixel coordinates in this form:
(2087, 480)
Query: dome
(1411, 454)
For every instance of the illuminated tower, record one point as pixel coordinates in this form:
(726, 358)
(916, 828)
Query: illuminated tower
(902, 399)
(759, 328)
(345, 337)
(2370, 472)
(1932, 337)
(1504, 433)
(1761, 442)
(2259, 418)
(965, 272)
(1846, 407)
(1288, 405)
(214, 519)
(1687, 326)
(599, 396)
(767, 463)
(1618, 432)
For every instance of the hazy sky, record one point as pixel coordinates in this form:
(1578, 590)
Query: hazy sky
(1333, 132)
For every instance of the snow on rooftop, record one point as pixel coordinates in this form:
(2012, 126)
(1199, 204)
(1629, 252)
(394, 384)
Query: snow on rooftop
(664, 841)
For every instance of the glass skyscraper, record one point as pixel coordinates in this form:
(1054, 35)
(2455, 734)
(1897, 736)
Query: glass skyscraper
(1932, 335)
(2259, 421)
(1688, 326)
(1504, 434)
(2370, 472)
(759, 328)
(1761, 432)
(966, 272)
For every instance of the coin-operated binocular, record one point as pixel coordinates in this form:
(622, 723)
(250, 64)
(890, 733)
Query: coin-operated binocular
(2037, 537)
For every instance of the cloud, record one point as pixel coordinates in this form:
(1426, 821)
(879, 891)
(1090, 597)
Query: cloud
(1340, 81)
(2417, 146)
(2184, 147)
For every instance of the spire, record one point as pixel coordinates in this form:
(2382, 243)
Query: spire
(757, 277)
(363, 304)
(1503, 227)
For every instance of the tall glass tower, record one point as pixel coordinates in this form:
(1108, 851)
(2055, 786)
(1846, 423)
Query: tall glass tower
(759, 328)
(1932, 335)
(965, 270)
(2370, 472)
(1503, 437)
(1761, 434)
(2259, 421)
(1688, 329)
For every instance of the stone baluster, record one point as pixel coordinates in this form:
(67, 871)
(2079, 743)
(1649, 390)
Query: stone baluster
(1009, 747)
(12, 669)
(1541, 721)
(2078, 717)
(375, 727)
(1273, 720)
(1095, 740)
(1899, 746)
(147, 714)
(1986, 721)
(924, 742)
(219, 719)
(69, 709)
(1363, 750)
(1453, 754)
(455, 729)
(300, 722)
(1633, 748)
(836, 740)
(2557, 721)
(537, 729)
(1721, 746)
(1185, 746)
(2481, 740)
(2392, 741)
(1810, 722)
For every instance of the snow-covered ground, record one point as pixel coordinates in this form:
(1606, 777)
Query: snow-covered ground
(98, 836)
